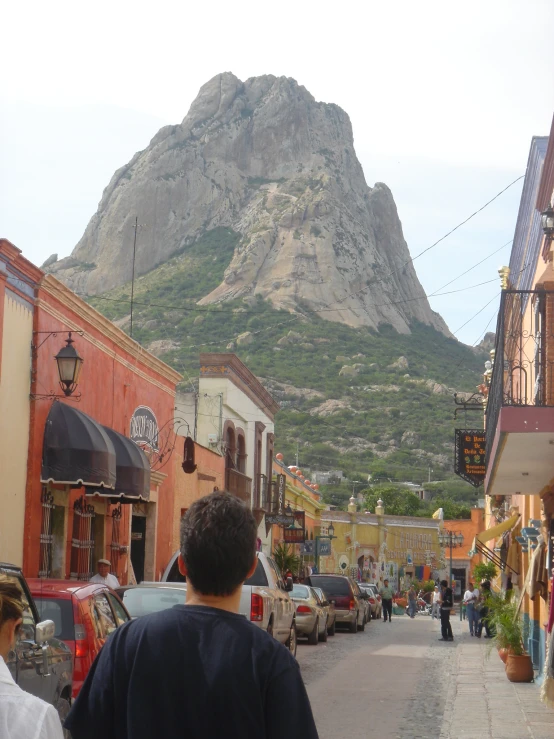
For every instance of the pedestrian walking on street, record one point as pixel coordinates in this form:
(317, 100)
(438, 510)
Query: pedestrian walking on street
(471, 596)
(447, 603)
(486, 593)
(386, 597)
(435, 608)
(22, 715)
(412, 601)
(198, 670)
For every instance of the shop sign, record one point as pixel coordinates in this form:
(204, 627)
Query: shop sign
(144, 428)
(294, 536)
(469, 460)
(280, 519)
(307, 548)
(281, 487)
(324, 547)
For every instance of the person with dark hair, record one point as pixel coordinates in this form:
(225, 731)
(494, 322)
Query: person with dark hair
(201, 669)
(387, 595)
(446, 605)
(21, 715)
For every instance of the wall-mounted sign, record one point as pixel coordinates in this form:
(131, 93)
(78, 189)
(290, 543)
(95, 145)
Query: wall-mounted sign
(281, 487)
(469, 455)
(294, 536)
(324, 547)
(144, 428)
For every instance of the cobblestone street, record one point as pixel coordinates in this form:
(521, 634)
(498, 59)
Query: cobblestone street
(397, 681)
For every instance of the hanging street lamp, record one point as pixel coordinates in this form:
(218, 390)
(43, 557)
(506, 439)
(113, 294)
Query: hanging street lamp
(547, 222)
(69, 366)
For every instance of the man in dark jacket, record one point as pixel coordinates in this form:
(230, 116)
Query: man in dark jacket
(198, 670)
(447, 603)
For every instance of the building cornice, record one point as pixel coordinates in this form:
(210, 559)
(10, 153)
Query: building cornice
(230, 366)
(86, 312)
(14, 257)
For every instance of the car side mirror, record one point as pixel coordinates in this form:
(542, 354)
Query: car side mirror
(289, 584)
(44, 631)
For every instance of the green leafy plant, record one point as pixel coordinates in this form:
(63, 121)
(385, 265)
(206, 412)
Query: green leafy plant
(505, 622)
(285, 559)
(484, 571)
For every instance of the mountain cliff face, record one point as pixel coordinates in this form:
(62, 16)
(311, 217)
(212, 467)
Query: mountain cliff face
(266, 160)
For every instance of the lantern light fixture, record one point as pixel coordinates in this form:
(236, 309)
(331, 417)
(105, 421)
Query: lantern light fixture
(69, 364)
(547, 221)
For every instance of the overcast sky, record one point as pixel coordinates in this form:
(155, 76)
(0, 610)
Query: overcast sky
(444, 99)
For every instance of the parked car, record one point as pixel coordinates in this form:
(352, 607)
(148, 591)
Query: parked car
(374, 599)
(311, 616)
(41, 664)
(367, 605)
(264, 600)
(84, 615)
(329, 608)
(151, 597)
(350, 606)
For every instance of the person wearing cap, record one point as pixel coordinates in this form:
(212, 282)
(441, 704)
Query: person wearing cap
(103, 576)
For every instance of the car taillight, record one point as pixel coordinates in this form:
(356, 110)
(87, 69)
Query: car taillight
(303, 609)
(352, 604)
(256, 607)
(81, 643)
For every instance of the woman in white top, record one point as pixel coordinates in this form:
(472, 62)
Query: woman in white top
(22, 716)
(435, 608)
(471, 597)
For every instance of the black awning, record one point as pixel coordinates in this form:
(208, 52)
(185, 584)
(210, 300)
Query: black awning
(77, 450)
(133, 470)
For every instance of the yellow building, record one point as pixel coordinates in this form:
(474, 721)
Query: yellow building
(18, 282)
(372, 546)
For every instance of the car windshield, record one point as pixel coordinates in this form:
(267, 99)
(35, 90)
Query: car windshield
(259, 577)
(331, 585)
(300, 591)
(60, 612)
(142, 601)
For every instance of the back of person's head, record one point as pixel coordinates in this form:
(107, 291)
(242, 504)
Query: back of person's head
(444, 583)
(11, 601)
(218, 543)
(486, 585)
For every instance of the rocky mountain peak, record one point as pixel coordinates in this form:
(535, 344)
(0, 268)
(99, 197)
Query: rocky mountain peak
(265, 159)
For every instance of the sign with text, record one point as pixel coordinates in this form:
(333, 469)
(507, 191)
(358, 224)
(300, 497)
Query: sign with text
(144, 428)
(281, 487)
(469, 460)
(324, 547)
(296, 535)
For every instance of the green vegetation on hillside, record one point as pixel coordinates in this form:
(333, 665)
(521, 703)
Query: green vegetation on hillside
(364, 431)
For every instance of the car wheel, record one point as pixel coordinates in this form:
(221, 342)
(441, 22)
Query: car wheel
(62, 707)
(323, 637)
(314, 636)
(331, 629)
(353, 627)
(362, 627)
(292, 642)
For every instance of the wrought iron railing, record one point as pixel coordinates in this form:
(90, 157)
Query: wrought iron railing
(46, 535)
(82, 541)
(115, 546)
(523, 371)
(238, 484)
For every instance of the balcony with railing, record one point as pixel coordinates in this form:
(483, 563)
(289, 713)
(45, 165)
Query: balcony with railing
(519, 416)
(238, 484)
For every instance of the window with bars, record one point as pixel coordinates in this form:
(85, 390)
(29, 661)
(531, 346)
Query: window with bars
(46, 536)
(82, 540)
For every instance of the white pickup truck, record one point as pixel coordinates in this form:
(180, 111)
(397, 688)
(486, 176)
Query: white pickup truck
(265, 599)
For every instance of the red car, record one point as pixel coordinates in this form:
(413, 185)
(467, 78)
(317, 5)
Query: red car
(84, 614)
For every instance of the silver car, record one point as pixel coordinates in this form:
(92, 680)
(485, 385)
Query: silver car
(329, 608)
(150, 597)
(311, 616)
(374, 599)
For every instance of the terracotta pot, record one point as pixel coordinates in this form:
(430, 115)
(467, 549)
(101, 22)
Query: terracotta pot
(519, 668)
(503, 654)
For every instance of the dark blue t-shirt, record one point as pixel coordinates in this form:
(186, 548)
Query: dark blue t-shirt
(192, 672)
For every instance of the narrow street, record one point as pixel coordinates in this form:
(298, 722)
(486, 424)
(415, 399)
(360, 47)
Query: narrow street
(397, 681)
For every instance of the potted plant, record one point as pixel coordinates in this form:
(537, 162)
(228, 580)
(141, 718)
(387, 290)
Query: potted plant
(507, 626)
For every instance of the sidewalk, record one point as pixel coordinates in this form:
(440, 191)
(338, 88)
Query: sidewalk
(481, 702)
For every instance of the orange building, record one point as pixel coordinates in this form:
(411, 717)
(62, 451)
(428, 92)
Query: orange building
(463, 559)
(208, 476)
(101, 472)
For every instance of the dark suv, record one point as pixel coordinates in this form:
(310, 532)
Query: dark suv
(350, 602)
(39, 664)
